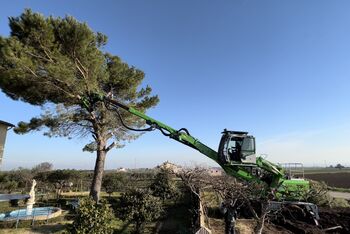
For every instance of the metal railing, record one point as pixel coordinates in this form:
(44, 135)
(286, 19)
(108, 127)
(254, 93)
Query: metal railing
(293, 170)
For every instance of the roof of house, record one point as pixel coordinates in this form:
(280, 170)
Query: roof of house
(6, 123)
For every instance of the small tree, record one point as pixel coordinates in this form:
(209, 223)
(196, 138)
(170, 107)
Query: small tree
(139, 207)
(163, 186)
(59, 178)
(92, 217)
(10, 186)
(339, 166)
(22, 176)
(251, 197)
(42, 167)
(194, 180)
(113, 182)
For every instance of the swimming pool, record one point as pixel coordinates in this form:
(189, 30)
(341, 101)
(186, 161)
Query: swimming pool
(38, 213)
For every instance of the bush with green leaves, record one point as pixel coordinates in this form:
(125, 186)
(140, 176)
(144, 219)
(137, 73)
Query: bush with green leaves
(19, 179)
(139, 206)
(93, 218)
(163, 186)
(114, 182)
(10, 186)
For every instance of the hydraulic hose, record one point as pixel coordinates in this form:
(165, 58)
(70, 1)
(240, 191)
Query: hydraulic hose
(151, 128)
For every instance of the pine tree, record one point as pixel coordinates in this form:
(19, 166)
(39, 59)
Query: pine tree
(53, 62)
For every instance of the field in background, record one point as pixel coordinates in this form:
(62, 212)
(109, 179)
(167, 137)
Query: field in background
(339, 180)
(333, 177)
(317, 170)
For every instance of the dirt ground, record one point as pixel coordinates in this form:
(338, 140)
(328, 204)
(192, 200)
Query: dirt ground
(245, 226)
(329, 218)
(340, 179)
(334, 217)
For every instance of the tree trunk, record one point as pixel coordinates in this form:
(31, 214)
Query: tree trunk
(98, 173)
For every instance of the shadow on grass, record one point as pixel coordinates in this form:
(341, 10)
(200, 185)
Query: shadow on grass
(44, 229)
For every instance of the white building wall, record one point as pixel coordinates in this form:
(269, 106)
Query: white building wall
(3, 131)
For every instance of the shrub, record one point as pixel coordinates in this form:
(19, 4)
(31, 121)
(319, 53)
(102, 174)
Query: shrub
(163, 186)
(113, 182)
(11, 186)
(92, 217)
(139, 207)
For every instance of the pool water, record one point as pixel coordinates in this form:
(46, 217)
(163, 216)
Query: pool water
(24, 214)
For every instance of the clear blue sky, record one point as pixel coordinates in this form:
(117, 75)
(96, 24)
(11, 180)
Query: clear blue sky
(278, 69)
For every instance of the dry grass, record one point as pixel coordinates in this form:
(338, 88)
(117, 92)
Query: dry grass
(245, 226)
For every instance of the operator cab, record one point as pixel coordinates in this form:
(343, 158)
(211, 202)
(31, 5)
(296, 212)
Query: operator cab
(236, 148)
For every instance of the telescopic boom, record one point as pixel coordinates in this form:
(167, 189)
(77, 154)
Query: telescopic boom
(273, 175)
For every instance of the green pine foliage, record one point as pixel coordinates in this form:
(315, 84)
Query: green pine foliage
(53, 62)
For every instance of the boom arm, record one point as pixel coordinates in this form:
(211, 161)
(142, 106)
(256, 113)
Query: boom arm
(182, 135)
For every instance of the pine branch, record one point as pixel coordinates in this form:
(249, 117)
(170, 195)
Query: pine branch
(110, 147)
(37, 56)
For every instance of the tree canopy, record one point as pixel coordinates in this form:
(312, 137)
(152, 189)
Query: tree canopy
(53, 62)
(42, 167)
(163, 186)
(113, 182)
